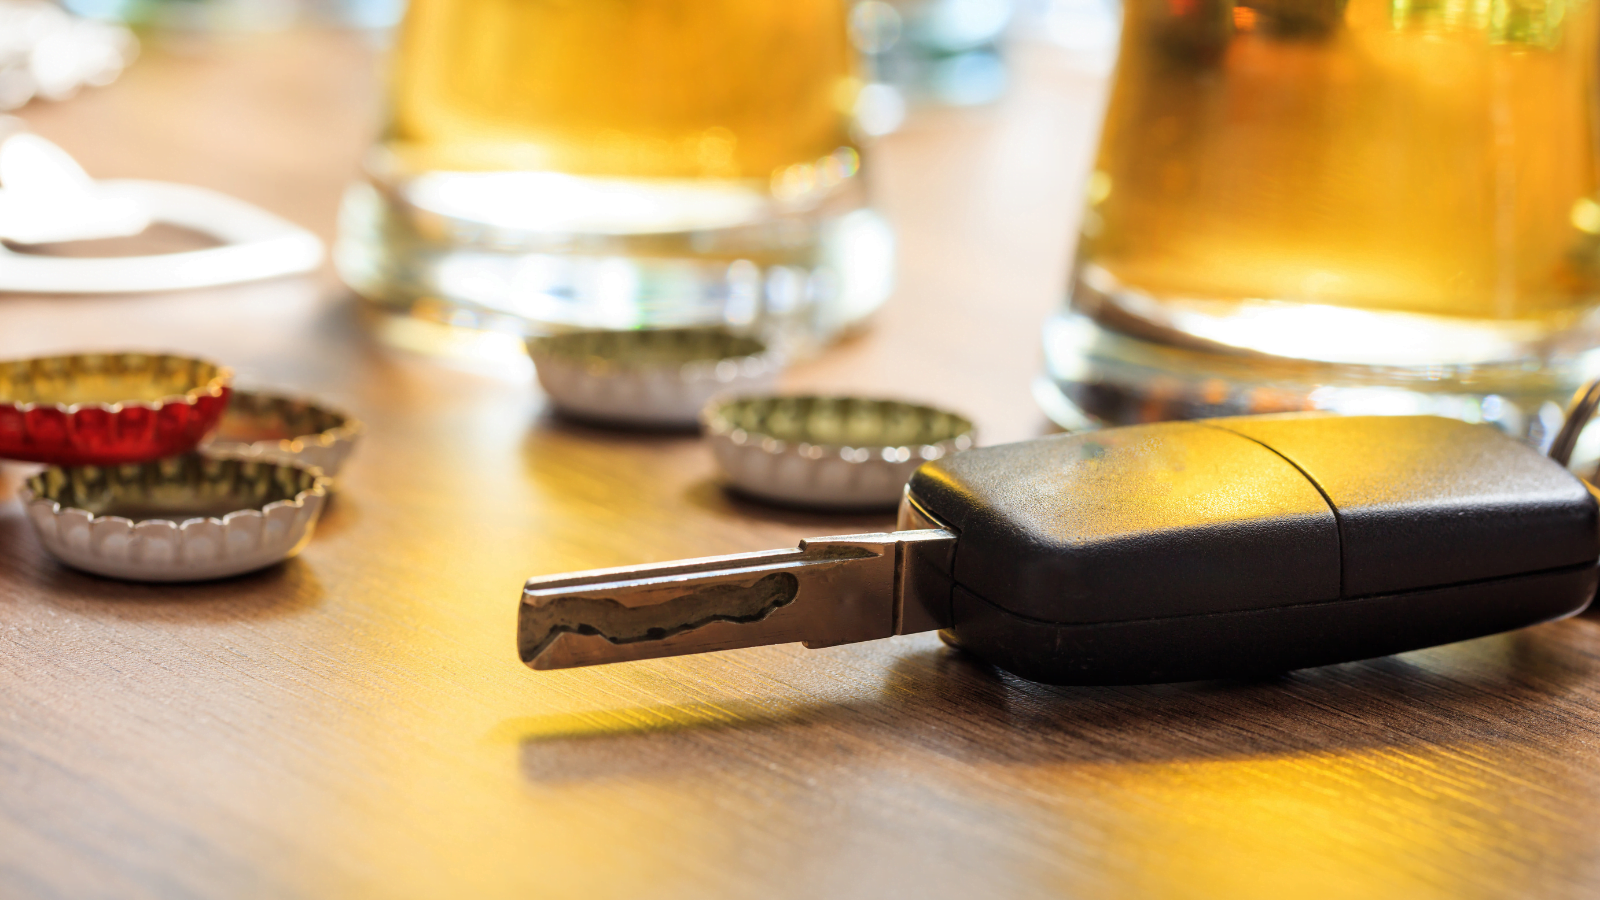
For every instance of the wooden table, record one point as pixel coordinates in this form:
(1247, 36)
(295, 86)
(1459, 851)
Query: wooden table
(355, 723)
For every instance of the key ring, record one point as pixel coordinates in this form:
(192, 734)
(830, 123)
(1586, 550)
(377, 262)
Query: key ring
(1579, 412)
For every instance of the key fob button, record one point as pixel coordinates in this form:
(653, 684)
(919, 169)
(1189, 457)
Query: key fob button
(1132, 523)
(1425, 501)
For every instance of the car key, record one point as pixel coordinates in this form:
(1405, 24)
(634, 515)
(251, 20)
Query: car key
(1166, 552)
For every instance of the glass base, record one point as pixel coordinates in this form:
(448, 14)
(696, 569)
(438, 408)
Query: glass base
(530, 253)
(1097, 375)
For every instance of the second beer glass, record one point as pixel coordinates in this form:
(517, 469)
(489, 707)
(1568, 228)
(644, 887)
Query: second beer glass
(620, 164)
(1356, 205)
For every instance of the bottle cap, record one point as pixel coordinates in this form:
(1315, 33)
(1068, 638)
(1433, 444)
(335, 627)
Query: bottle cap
(184, 518)
(107, 408)
(659, 378)
(277, 428)
(829, 452)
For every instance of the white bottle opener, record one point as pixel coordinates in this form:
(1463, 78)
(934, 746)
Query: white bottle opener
(46, 197)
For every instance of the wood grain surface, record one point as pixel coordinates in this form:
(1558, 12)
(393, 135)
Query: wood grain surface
(355, 723)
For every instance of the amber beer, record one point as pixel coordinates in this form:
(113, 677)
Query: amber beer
(1267, 168)
(620, 163)
(642, 88)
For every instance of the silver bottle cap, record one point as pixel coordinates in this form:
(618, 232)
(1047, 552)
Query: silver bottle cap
(276, 428)
(829, 452)
(183, 518)
(658, 378)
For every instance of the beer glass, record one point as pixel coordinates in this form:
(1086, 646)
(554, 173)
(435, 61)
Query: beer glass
(550, 164)
(1353, 204)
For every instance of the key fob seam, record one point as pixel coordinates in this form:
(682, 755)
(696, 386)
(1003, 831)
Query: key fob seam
(1338, 519)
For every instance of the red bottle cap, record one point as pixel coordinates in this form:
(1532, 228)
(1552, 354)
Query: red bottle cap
(108, 408)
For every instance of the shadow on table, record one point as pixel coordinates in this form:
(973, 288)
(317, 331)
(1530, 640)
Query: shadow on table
(713, 496)
(709, 494)
(1522, 687)
(556, 421)
(285, 588)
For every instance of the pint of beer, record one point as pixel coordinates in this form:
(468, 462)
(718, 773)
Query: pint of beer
(1406, 182)
(620, 163)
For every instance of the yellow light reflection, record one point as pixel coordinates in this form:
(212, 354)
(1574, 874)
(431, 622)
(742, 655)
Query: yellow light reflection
(1378, 823)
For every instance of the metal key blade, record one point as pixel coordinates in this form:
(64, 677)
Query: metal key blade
(831, 590)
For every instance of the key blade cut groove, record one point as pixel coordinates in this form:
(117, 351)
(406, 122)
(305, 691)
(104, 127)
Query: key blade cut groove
(740, 604)
(830, 591)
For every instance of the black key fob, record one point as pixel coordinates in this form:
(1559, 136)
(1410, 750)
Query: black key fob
(1237, 547)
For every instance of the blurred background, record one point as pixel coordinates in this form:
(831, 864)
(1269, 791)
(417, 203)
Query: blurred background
(1292, 207)
(1001, 98)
